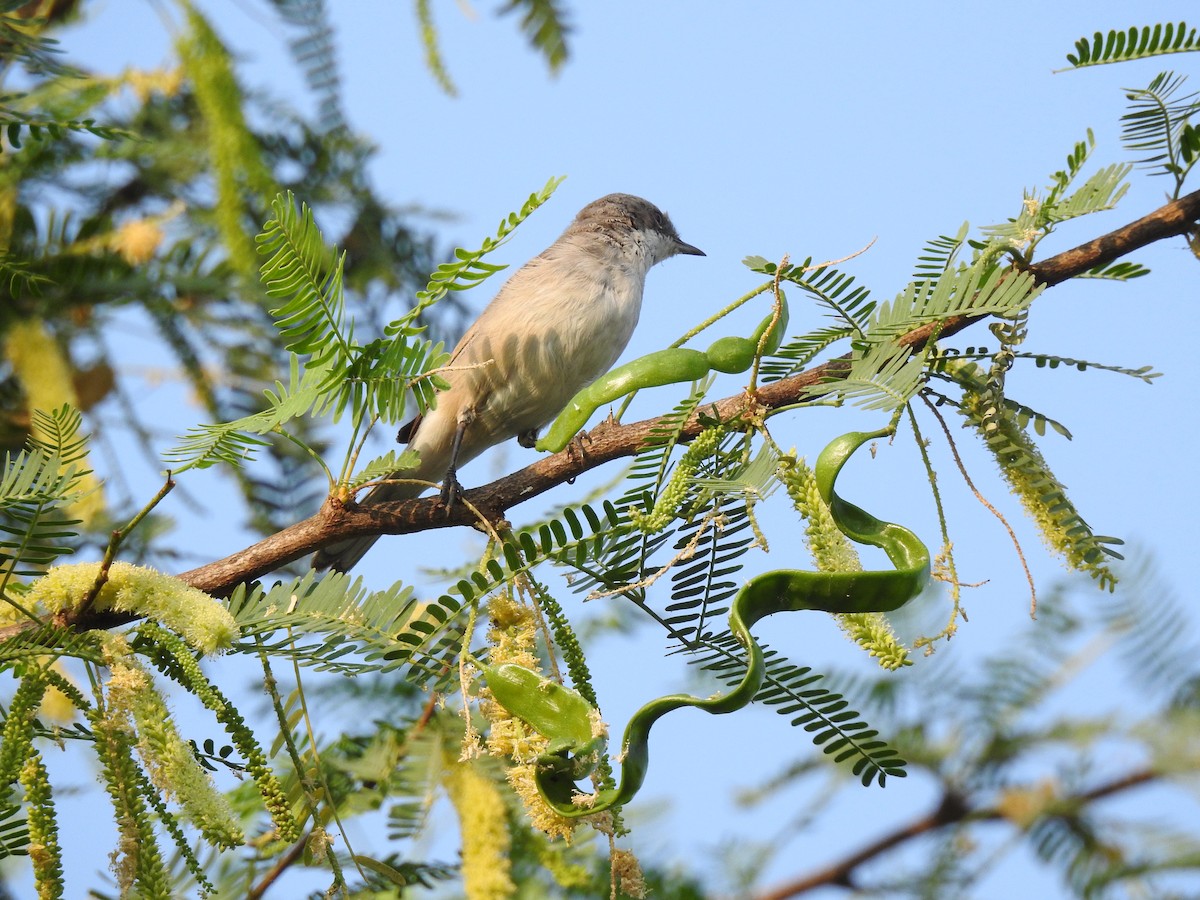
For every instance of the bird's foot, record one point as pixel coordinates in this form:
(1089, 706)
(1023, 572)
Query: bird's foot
(451, 490)
(577, 448)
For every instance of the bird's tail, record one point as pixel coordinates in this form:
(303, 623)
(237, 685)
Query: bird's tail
(345, 555)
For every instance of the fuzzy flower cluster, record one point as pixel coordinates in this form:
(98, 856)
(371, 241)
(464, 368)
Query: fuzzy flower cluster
(832, 552)
(673, 495)
(169, 761)
(192, 614)
(483, 818)
(513, 639)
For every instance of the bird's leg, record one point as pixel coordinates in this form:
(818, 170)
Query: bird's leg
(451, 489)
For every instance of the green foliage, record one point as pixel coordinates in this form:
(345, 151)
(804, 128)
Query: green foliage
(794, 691)
(20, 113)
(314, 50)
(1039, 214)
(357, 631)
(38, 128)
(1159, 123)
(1008, 757)
(28, 47)
(239, 169)
(37, 487)
(833, 291)
(14, 831)
(1119, 271)
(300, 271)
(544, 23)
(468, 270)
(1133, 43)
(884, 378)
(198, 294)
(338, 373)
(433, 52)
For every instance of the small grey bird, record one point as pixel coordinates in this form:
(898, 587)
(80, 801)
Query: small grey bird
(556, 326)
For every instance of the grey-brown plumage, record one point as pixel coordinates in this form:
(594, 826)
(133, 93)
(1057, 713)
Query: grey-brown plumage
(556, 326)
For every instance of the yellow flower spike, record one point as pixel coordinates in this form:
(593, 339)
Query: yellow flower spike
(200, 620)
(483, 821)
(45, 375)
(627, 874)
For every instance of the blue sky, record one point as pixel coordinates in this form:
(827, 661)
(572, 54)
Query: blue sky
(807, 129)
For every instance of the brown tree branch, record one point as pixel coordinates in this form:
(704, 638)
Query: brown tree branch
(337, 521)
(951, 810)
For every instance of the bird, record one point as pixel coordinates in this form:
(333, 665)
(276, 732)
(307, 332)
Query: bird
(558, 324)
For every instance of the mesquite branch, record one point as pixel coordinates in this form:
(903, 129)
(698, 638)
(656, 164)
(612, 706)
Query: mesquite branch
(337, 521)
(951, 810)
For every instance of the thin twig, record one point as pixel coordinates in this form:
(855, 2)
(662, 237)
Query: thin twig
(114, 544)
(1012, 535)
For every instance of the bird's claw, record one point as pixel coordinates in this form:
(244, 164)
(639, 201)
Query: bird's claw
(577, 448)
(451, 490)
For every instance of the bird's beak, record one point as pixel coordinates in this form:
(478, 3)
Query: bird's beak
(688, 249)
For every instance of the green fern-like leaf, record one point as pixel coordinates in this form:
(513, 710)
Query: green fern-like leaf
(28, 646)
(544, 23)
(1145, 373)
(752, 480)
(797, 353)
(387, 373)
(1133, 43)
(1118, 271)
(885, 377)
(19, 275)
(306, 276)
(1156, 638)
(794, 691)
(975, 290)
(315, 52)
(391, 465)
(29, 47)
(625, 558)
(36, 487)
(18, 125)
(939, 255)
(414, 781)
(1102, 191)
(1040, 213)
(353, 630)
(468, 269)
(1025, 415)
(831, 289)
(14, 831)
(948, 357)
(1158, 124)
(703, 586)
(434, 61)
(1079, 155)
(236, 442)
